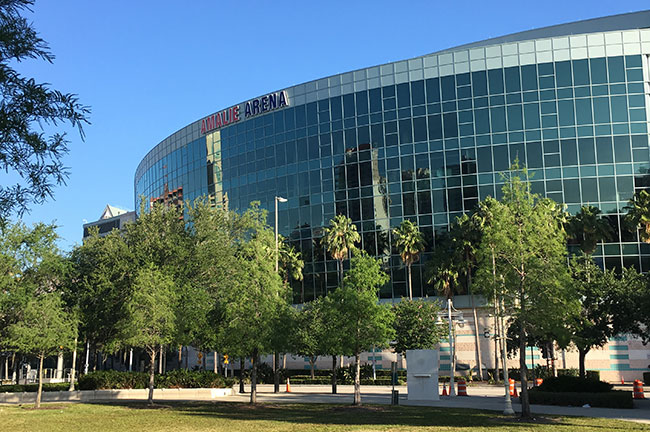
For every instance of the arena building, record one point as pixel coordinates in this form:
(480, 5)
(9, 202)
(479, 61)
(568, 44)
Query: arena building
(425, 139)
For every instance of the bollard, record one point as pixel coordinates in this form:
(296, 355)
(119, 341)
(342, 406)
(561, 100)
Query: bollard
(462, 387)
(394, 397)
(511, 385)
(638, 390)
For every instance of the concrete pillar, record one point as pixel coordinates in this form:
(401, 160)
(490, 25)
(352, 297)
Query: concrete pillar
(59, 365)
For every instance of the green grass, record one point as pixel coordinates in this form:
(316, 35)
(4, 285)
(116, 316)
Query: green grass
(235, 417)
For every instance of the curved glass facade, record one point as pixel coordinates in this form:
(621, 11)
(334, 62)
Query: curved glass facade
(425, 139)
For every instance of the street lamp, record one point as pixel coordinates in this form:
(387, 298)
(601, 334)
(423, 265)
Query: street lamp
(452, 314)
(277, 200)
(504, 359)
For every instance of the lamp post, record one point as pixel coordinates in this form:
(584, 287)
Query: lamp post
(277, 200)
(452, 314)
(276, 360)
(508, 402)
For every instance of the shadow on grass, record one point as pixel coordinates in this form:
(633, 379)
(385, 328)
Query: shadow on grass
(378, 415)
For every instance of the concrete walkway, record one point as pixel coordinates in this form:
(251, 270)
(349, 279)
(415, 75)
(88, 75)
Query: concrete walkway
(482, 397)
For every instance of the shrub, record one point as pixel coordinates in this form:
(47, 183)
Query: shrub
(574, 385)
(593, 375)
(48, 387)
(611, 399)
(181, 378)
(646, 378)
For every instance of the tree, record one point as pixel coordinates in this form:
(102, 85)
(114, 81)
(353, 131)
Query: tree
(28, 106)
(359, 319)
(409, 243)
(466, 235)
(310, 332)
(339, 240)
(44, 328)
(150, 319)
(588, 228)
(415, 325)
(638, 214)
(252, 303)
(529, 246)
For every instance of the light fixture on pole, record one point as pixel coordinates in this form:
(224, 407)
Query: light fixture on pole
(454, 317)
(277, 200)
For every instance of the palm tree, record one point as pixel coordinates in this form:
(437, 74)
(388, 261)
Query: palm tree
(291, 264)
(339, 240)
(588, 228)
(444, 280)
(409, 243)
(638, 213)
(466, 235)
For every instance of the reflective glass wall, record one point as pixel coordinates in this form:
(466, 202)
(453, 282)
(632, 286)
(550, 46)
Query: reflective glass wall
(425, 148)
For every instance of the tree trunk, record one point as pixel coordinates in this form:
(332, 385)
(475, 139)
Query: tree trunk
(152, 370)
(479, 360)
(242, 365)
(553, 363)
(333, 374)
(408, 267)
(276, 373)
(74, 365)
(357, 379)
(160, 361)
(39, 394)
(14, 367)
(215, 358)
(341, 273)
(254, 360)
(180, 356)
(582, 354)
(312, 360)
(496, 342)
(525, 404)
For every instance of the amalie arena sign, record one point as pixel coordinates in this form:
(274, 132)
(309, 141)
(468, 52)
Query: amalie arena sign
(251, 108)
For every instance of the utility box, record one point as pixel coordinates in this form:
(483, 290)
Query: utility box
(422, 374)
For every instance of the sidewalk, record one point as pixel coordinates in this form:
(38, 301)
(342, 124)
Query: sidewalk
(482, 397)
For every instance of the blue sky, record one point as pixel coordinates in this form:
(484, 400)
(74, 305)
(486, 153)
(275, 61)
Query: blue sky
(148, 68)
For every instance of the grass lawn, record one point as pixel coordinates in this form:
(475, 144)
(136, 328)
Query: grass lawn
(235, 417)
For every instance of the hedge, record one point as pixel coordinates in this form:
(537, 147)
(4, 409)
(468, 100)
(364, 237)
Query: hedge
(48, 387)
(611, 399)
(569, 384)
(100, 380)
(646, 378)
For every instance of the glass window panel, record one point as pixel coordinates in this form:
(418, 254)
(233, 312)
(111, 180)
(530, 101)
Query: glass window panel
(598, 71)
(534, 154)
(572, 191)
(433, 90)
(625, 187)
(417, 92)
(601, 110)
(604, 150)
(455, 199)
(517, 153)
(589, 190)
(484, 158)
(437, 164)
(565, 112)
(515, 121)
(529, 77)
(501, 160)
(495, 78)
(580, 72)
(482, 121)
(335, 108)
(375, 100)
(569, 152)
(479, 83)
(451, 125)
(531, 115)
(619, 108)
(498, 116)
(587, 153)
(435, 127)
(448, 85)
(512, 79)
(419, 129)
(607, 189)
(583, 111)
(616, 69)
(563, 74)
(405, 132)
(622, 149)
(403, 95)
(388, 91)
(348, 105)
(362, 102)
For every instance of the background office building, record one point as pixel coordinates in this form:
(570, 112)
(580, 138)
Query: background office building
(425, 139)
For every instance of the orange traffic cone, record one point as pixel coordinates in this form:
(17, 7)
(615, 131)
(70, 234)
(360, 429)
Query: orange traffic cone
(444, 389)
(288, 386)
(638, 390)
(515, 395)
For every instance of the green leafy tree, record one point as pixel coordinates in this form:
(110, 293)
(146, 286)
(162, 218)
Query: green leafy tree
(638, 214)
(358, 317)
(44, 328)
(27, 108)
(529, 246)
(252, 303)
(340, 239)
(150, 319)
(588, 228)
(409, 243)
(416, 325)
(310, 332)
